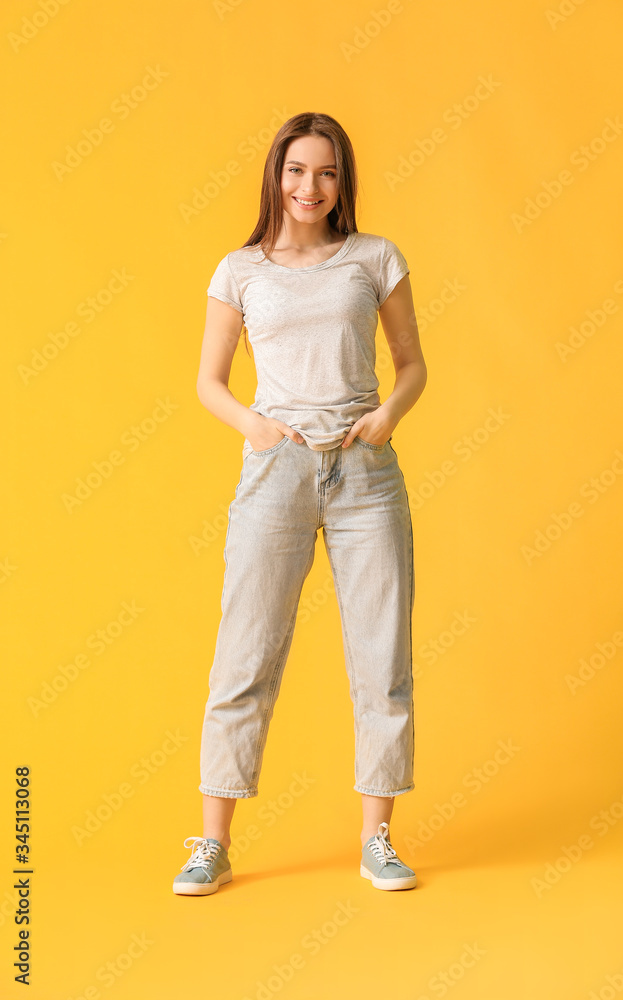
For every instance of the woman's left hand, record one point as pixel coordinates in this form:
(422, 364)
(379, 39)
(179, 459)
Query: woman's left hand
(374, 427)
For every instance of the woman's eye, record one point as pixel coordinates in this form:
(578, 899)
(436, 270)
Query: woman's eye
(329, 172)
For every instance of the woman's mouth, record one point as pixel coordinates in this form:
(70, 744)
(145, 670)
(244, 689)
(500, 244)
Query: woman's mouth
(307, 202)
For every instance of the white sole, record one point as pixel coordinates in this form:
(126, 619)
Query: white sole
(201, 888)
(408, 882)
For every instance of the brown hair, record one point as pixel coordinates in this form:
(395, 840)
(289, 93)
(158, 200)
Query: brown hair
(342, 215)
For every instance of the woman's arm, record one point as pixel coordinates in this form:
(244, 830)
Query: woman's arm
(220, 339)
(221, 335)
(400, 327)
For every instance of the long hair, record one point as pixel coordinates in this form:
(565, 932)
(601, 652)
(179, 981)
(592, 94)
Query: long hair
(342, 215)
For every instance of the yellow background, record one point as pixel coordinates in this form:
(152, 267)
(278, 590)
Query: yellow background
(459, 217)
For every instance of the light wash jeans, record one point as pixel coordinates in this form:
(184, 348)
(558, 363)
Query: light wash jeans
(285, 494)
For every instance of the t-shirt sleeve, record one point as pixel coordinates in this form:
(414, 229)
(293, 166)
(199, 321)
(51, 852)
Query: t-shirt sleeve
(393, 268)
(223, 285)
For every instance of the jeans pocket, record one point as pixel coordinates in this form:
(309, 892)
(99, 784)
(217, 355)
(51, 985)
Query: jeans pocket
(373, 447)
(275, 447)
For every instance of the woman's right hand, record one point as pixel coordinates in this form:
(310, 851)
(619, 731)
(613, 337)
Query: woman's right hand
(267, 432)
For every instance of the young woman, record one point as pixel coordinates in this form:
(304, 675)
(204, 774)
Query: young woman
(309, 288)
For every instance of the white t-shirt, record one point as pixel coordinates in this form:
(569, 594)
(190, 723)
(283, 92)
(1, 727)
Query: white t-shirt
(312, 331)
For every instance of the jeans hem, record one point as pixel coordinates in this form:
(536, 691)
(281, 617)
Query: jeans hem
(229, 793)
(378, 791)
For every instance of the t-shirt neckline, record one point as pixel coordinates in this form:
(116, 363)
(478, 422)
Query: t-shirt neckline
(315, 267)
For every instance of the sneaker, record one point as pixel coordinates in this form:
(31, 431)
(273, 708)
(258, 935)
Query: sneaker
(381, 864)
(206, 869)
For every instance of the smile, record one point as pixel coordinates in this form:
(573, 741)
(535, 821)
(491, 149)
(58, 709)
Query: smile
(307, 204)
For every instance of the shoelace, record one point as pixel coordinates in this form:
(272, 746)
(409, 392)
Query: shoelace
(382, 849)
(203, 854)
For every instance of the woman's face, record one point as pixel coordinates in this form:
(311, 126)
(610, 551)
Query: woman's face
(309, 173)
